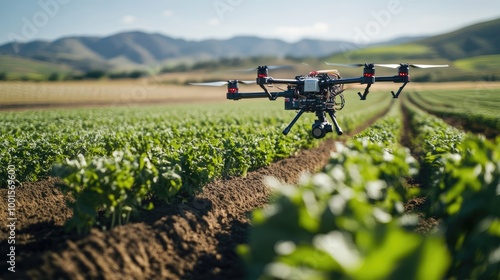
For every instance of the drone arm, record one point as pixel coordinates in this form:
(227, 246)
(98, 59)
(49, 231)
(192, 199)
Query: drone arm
(253, 95)
(368, 80)
(280, 81)
(395, 79)
(346, 81)
(386, 79)
(249, 95)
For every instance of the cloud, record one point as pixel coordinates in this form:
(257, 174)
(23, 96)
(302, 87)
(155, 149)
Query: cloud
(295, 32)
(168, 13)
(214, 22)
(128, 19)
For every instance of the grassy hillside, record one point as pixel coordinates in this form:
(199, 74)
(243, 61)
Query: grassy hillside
(18, 67)
(473, 53)
(385, 53)
(475, 40)
(479, 63)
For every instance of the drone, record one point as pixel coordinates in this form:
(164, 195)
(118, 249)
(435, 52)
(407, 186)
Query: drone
(319, 92)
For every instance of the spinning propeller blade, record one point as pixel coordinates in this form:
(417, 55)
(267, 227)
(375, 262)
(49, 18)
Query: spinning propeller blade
(394, 66)
(327, 71)
(270, 67)
(219, 84)
(210, 84)
(352, 65)
(428, 66)
(423, 66)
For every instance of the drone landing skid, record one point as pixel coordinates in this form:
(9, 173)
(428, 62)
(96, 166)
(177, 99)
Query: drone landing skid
(396, 95)
(320, 127)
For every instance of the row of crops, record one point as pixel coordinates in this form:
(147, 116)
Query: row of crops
(113, 160)
(477, 106)
(348, 222)
(345, 222)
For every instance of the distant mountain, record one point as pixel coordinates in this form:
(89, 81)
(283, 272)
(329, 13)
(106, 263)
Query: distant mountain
(138, 48)
(133, 49)
(402, 40)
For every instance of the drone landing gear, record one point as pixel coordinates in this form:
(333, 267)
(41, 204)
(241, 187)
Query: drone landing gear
(289, 127)
(396, 95)
(321, 126)
(365, 93)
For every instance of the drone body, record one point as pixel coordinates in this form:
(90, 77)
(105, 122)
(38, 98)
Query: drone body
(319, 92)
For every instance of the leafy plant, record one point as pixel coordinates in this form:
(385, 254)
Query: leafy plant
(463, 180)
(115, 186)
(347, 221)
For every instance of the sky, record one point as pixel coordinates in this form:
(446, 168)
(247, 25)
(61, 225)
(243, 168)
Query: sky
(355, 21)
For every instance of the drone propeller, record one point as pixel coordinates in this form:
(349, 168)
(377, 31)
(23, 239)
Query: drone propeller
(327, 71)
(352, 65)
(221, 83)
(394, 66)
(270, 67)
(423, 66)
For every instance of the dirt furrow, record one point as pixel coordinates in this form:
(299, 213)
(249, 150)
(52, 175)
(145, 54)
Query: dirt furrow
(195, 240)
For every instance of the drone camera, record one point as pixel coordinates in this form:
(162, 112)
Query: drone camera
(320, 129)
(311, 85)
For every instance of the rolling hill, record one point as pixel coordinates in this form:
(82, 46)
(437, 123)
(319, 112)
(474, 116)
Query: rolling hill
(470, 47)
(473, 53)
(475, 40)
(133, 49)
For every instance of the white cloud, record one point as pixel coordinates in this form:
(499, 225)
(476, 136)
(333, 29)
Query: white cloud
(214, 22)
(295, 32)
(168, 13)
(128, 19)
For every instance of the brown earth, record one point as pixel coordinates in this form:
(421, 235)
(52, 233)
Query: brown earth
(194, 240)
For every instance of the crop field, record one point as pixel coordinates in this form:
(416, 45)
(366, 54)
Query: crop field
(133, 181)
(474, 109)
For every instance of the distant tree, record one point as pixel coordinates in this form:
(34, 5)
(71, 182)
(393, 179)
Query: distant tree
(54, 77)
(117, 75)
(176, 68)
(136, 74)
(94, 74)
(3, 76)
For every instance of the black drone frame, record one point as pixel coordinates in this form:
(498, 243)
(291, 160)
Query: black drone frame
(312, 88)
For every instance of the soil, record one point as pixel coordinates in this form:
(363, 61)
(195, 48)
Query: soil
(474, 127)
(192, 240)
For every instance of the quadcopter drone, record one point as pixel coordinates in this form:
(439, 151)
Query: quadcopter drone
(319, 92)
